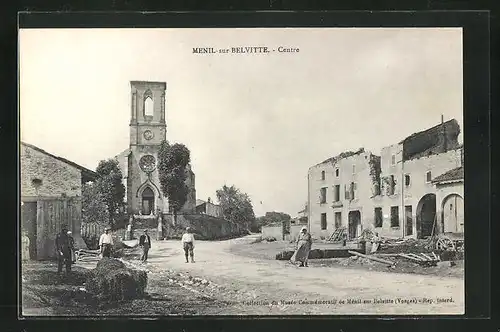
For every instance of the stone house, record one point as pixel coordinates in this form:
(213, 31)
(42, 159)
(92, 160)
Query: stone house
(340, 191)
(392, 194)
(208, 208)
(450, 201)
(51, 191)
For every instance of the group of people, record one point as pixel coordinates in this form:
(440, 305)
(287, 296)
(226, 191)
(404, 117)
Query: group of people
(187, 241)
(187, 244)
(65, 246)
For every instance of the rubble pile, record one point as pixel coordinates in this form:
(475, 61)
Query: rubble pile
(356, 260)
(405, 246)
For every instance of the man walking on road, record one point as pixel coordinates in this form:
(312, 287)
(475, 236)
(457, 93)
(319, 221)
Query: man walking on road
(145, 244)
(106, 242)
(188, 244)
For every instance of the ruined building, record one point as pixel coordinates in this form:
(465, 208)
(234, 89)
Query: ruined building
(340, 191)
(394, 193)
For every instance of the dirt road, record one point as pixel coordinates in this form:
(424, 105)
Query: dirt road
(277, 287)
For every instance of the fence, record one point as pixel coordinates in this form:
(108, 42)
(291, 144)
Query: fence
(91, 232)
(51, 215)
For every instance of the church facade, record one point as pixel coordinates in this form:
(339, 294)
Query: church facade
(139, 161)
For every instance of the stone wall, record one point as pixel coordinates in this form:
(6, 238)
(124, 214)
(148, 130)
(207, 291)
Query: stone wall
(57, 177)
(275, 231)
(205, 227)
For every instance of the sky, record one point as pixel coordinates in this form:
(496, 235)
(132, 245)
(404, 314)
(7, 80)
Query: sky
(257, 121)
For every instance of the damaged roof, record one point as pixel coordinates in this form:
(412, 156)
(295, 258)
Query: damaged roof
(438, 139)
(431, 130)
(454, 175)
(342, 155)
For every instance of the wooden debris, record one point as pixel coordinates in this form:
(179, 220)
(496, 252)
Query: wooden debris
(387, 255)
(380, 260)
(89, 252)
(410, 258)
(85, 254)
(421, 259)
(416, 257)
(426, 256)
(338, 235)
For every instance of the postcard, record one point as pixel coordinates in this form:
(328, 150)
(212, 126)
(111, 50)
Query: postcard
(241, 171)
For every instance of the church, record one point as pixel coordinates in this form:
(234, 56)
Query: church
(139, 161)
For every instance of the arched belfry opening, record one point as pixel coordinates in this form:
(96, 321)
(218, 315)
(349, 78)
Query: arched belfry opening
(148, 105)
(148, 200)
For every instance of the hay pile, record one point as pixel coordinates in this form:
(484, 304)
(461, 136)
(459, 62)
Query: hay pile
(111, 280)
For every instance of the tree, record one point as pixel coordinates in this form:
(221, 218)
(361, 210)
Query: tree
(110, 187)
(236, 206)
(172, 163)
(273, 218)
(94, 207)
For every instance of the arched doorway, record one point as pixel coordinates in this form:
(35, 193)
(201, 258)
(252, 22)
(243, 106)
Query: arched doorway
(354, 224)
(453, 214)
(426, 215)
(148, 201)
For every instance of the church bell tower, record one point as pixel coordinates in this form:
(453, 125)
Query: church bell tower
(139, 163)
(147, 121)
(147, 130)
